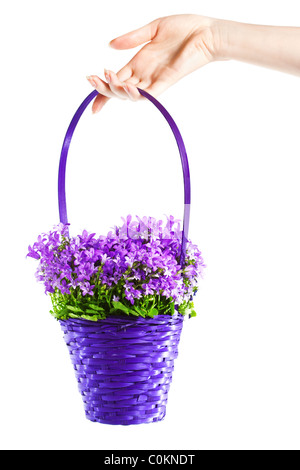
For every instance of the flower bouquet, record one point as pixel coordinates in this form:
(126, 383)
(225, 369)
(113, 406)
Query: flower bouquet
(121, 300)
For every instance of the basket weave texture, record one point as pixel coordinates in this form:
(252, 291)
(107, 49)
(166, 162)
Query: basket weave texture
(124, 365)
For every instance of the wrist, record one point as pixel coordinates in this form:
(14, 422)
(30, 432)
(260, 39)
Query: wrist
(221, 33)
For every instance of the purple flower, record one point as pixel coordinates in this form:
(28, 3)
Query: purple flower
(86, 288)
(32, 253)
(137, 259)
(147, 289)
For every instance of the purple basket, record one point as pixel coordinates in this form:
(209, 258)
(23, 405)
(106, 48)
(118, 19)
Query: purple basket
(124, 364)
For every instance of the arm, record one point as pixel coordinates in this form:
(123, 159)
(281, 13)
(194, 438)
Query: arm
(180, 44)
(276, 47)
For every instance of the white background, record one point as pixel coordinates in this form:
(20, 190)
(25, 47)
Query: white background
(237, 379)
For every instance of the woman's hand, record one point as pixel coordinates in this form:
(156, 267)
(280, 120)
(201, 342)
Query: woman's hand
(176, 46)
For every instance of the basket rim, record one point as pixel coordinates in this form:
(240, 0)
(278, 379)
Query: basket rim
(163, 318)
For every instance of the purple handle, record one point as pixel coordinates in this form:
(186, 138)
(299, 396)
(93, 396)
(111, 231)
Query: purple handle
(184, 161)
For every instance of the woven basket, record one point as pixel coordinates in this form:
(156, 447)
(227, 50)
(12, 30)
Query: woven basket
(124, 364)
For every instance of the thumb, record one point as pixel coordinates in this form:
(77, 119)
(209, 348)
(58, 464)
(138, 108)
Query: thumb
(137, 37)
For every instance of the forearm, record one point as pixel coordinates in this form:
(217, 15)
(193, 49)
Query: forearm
(276, 47)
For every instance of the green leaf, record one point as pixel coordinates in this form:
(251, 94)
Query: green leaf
(153, 312)
(74, 309)
(120, 306)
(89, 310)
(134, 312)
(89, 317)
(62, 313)
(140, 311)
(73, 315)
(96, 307)
(193, 313)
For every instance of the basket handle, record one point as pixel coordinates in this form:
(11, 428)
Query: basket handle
(184, 161)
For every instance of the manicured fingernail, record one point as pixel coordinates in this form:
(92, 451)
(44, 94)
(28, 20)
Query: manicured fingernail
(107, 75)
(92, 82)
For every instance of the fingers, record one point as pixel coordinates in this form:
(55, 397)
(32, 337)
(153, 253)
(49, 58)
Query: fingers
(137, 37)
(116, 86)
(125, 73)
(100, 85)
(132, 91)
(123, 89)
(98, 103)
(106, 90)
(112, 88)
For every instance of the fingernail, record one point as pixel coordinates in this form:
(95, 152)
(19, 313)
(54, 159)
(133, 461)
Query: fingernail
(92, 82)
(107, 75)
